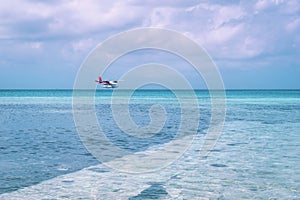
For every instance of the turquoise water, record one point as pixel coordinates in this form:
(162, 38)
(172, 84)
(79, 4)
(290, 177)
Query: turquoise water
(256, 157)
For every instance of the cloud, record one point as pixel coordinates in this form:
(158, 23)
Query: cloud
(83, 44)
(214, 26)
(235, 31)
(293, 25)
(84, 17)
(263, 4)
(36, 45)
(31, 19)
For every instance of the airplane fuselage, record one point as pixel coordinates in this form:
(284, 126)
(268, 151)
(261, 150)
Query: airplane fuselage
(107, 84)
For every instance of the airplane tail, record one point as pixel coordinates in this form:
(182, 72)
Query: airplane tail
(99, 79)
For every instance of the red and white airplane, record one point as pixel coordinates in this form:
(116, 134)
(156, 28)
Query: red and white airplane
(107, 84)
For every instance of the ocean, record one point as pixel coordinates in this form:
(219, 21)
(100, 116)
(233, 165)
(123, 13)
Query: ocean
(255, 157)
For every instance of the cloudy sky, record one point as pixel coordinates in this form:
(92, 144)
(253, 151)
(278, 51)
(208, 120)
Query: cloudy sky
(255, 44)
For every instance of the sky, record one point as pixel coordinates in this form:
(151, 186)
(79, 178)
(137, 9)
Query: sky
(255, 44)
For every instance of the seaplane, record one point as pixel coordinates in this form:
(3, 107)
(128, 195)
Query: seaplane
(107, 84)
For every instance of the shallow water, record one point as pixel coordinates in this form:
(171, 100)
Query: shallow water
(256, 156)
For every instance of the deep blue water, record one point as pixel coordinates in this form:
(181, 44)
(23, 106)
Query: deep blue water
(38, 139)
